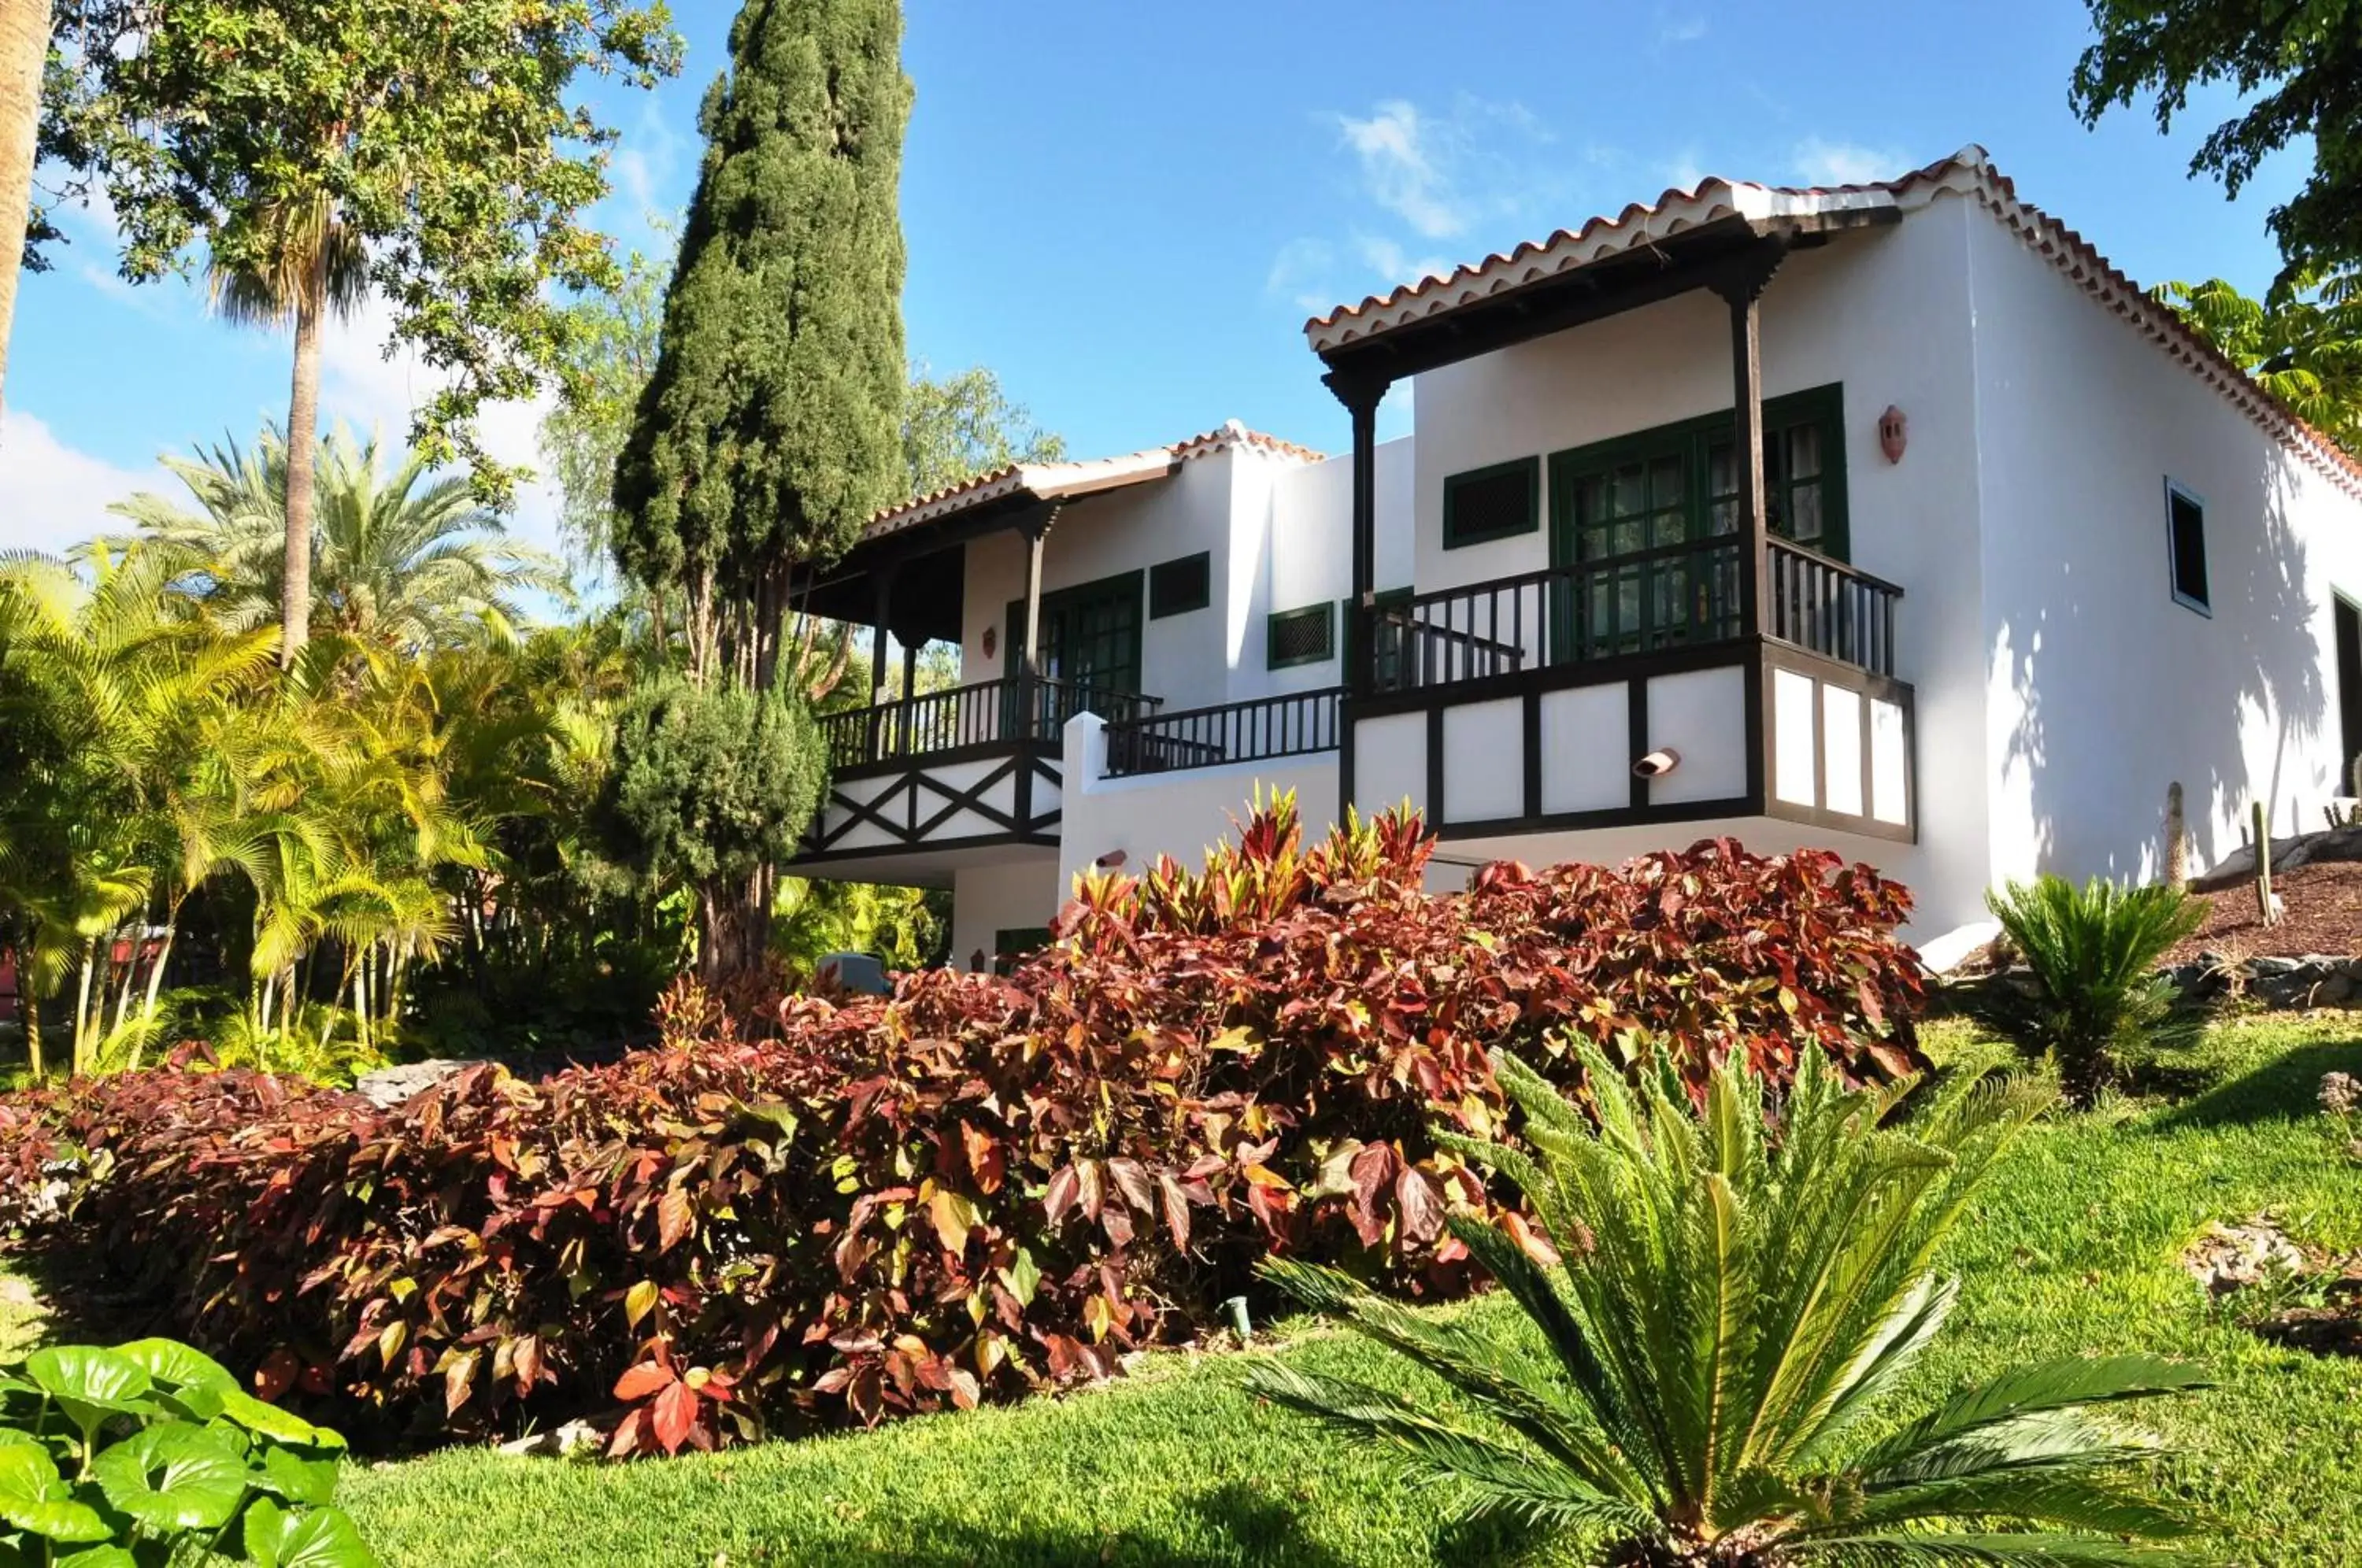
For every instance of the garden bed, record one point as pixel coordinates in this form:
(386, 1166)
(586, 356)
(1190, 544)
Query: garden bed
(2322, 904)
(2078, 1251)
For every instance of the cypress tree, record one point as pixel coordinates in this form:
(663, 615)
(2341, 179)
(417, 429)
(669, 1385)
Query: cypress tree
(771, 428)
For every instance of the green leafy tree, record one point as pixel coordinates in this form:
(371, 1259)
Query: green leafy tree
(711, 787)
(2296, 66)
(1714, 1348)
(400, 559)
(2303, 343)
(770, 430)
(959, 425)
(607, 355)
(446, 145)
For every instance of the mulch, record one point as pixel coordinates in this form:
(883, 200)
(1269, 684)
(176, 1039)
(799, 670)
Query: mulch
(2324, 905)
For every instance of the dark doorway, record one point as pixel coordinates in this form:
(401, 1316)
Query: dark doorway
(2349, 691)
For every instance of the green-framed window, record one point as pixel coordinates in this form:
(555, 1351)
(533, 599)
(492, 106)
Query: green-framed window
(1090, 634)
(1646, 509)
(1301, 636)
(1177, 587)
(1498, 502)
(2185, 541)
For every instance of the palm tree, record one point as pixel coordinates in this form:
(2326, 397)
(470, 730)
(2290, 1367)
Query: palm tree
(400, 560)
(284, 263)
(1730, 1305)
(24, 47)
(127, 700)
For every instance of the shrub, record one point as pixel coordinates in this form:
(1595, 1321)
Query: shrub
(973, 1187)
(151, 1452)
(2095, 992)
(1716, 1352)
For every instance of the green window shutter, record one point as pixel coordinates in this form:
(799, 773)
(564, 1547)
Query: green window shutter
(1177, 587)
(1495, 503)
(1301, 636)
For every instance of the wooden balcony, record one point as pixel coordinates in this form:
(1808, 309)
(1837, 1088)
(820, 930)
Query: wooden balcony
(1523, 704)
(972, 768)
(1257, 729)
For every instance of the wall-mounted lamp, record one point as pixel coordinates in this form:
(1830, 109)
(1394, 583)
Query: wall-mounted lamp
(1658, 763)
(1893, 433)
(991, 642)
(1111, 860)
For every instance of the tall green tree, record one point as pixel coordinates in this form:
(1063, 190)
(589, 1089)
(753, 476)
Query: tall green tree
(448, 143)
(2297, 65)
(609, 355)
(2303, 342)
(962, 424)
(771, 428)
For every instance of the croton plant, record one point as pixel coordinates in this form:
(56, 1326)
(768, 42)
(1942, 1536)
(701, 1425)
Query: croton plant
(972, 1188)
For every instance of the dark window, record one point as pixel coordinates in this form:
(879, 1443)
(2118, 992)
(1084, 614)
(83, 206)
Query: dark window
(1017, 942)
(1492, 504)
(1175, 588)
(2186, 537)
(1303, 636)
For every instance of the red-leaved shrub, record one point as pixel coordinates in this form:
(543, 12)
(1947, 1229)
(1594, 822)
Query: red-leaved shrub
(971, 1189)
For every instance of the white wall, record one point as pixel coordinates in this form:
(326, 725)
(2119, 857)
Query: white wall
(988, 899)
(1885, 314)
(1182, 813)
(2102, 688)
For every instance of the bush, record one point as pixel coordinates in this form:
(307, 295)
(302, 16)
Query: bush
(1730, 1420)
(976, 1186)
(2095, 992)
(151, 1452)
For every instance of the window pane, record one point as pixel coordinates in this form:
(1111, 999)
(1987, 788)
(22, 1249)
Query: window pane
(1805, 513)
(1803, 446)
(2189, 543)
(1630, 491)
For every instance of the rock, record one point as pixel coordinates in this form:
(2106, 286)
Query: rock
(2301, 849)
(388, 1086)
(576, 1440)
(2270, 967)
(2231, 1257)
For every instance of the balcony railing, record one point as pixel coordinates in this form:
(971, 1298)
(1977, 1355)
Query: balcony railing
(1251, 731)
(1675, 596)
(1827, 607)
(1012, 710)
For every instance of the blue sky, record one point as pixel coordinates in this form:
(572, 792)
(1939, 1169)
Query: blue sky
(1127, 211)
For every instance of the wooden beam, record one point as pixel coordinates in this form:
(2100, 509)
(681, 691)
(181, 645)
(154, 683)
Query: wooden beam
(1743, 290)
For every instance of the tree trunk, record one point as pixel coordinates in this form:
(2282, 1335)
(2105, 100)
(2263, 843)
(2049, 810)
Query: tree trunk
(81, 1009)
(302, 452)
(735, 928)
(23, 48)
(29, 995)
(156, 983)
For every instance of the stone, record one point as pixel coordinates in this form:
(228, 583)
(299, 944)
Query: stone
(576, 1440)
(2231, 1257)
(388, 1086)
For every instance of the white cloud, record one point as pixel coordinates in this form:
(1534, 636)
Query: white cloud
(51, 495)
(1300, 273)
(1681, 30)
(1400, 151)
(1824, 162)
(1391, 261)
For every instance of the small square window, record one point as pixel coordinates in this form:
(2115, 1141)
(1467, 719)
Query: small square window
(1497, 502)
(1175, 588)
(2185, 515)
(1302, 637)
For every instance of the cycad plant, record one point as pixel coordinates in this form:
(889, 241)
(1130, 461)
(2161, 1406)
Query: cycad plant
(2094, 991)
(1712, 1351)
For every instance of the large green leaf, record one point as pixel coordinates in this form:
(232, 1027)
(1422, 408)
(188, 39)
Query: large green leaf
(315, 1538)
(174, 1476)
(98, 1557)
(90, 1376)
(175, 1365)
(35, 1498)
(295, 1477)
(280, 1426)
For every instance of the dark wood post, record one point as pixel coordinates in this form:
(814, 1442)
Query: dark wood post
(1361, 395)
(879, 723)
(1743, 290)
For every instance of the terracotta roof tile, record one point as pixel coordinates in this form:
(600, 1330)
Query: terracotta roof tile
(1051, 480)
(1969, 172)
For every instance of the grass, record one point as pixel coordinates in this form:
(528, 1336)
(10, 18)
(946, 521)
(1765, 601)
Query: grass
(2073, 1249)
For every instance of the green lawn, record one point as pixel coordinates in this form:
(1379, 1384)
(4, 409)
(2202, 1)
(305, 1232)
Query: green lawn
(2073, 1252)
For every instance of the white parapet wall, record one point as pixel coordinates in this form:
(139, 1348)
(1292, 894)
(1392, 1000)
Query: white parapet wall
(1182, 813)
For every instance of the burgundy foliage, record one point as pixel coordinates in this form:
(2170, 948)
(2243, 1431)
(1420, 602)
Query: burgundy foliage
(972, 1188)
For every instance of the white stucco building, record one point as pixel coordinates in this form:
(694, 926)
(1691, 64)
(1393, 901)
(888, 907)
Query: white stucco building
(1993, 551)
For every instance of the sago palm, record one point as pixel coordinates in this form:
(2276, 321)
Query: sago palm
(1713, 1352)
(2095, 991)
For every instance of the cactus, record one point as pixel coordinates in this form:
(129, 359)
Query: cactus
(2261, 816)
(2177, 839)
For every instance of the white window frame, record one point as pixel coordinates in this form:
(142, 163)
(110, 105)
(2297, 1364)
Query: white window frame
(2174, 489)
